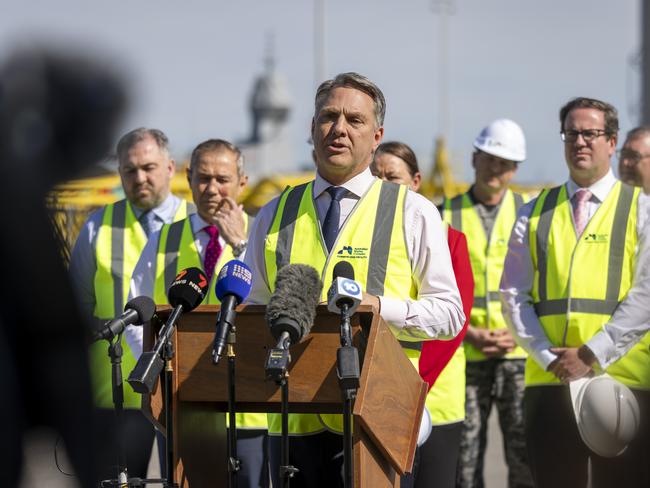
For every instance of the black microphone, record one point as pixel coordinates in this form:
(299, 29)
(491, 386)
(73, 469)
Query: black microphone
(185, 293)
(344, 296)
(291, 312)
(345, 293)
(136, 311)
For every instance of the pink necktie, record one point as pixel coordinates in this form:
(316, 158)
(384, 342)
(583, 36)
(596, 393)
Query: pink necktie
(580, 214)
(212, 252)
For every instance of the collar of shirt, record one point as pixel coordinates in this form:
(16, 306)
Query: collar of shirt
(357, 185)
(165, 211)
(201, 238)
(600, 189)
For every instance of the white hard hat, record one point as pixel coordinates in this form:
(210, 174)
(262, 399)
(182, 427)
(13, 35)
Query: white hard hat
(503, 138)
(606, 412)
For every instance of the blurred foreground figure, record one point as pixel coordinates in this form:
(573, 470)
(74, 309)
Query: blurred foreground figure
(57, 114)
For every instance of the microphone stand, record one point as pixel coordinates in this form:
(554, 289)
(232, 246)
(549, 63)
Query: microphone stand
(277, 364)
(234, 464)
(348, 371)
(115, 352)
(167, 353)
(153, 364)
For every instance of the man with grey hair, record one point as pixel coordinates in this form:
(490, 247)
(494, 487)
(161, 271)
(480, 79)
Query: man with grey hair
(394, 234)
(101, 265)
(208, 239)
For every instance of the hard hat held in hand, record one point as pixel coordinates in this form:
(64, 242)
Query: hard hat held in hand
(606, 412)
(425, 427)
(504, 139)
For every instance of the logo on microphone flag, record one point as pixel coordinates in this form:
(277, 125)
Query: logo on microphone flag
(351, 287)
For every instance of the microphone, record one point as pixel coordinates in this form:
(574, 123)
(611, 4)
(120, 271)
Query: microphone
(344, 290)
(344, 296)
(233, 286)
(291, 312)
(185, 293)
(136, 311)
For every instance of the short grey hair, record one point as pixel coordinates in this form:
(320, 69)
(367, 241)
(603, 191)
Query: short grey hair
(642, 131)
(358, 82)
(130, 139)
(212, 145)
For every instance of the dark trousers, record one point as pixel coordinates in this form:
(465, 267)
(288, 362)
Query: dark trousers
(138, 434)
(436, 460)
(319, 457)
(558, 458)
(498, 382)
(252, 451)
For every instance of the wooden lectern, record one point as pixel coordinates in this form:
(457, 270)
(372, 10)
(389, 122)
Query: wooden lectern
(387, 410)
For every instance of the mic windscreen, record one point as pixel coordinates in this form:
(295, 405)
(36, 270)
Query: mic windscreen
(343, 269)
(235, 278)
(188, 289)
(292, 307)
(144, 306)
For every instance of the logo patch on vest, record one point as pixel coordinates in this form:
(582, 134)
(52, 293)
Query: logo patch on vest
(349, 252)
(596, 238)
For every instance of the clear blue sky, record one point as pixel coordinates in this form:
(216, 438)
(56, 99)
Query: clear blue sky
(191, 63)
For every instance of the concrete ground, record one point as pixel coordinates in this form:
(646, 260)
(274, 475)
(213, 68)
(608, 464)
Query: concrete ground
(41, 470)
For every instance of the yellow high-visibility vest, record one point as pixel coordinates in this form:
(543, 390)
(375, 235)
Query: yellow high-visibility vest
(579, 281)
(177, 251)
(372, 240)
(487, 255)
(120, 241)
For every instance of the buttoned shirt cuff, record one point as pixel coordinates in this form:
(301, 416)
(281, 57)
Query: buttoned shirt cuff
(603, 348)
(393, 311)
(544, 358)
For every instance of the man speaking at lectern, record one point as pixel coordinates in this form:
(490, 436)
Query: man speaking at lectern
(392, 237)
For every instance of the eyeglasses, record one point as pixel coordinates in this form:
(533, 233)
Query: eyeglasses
(631, 156)
(588, 135)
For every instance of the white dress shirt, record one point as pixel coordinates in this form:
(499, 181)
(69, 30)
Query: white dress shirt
(436, 313)
(518, 276)
(144, 277)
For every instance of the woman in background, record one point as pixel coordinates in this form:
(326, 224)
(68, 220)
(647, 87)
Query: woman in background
(441, 363)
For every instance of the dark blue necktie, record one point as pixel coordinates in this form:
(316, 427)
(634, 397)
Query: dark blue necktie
(331, 222)
(147, 220)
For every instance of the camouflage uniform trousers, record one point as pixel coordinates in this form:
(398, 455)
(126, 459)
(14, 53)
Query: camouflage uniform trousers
(499, 381)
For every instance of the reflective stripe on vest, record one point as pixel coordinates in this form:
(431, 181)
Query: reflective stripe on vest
(120, 240)
(294, 237)
(579, 282)
(487, 255)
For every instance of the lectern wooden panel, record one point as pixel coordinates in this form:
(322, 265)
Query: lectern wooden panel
(387, 411)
